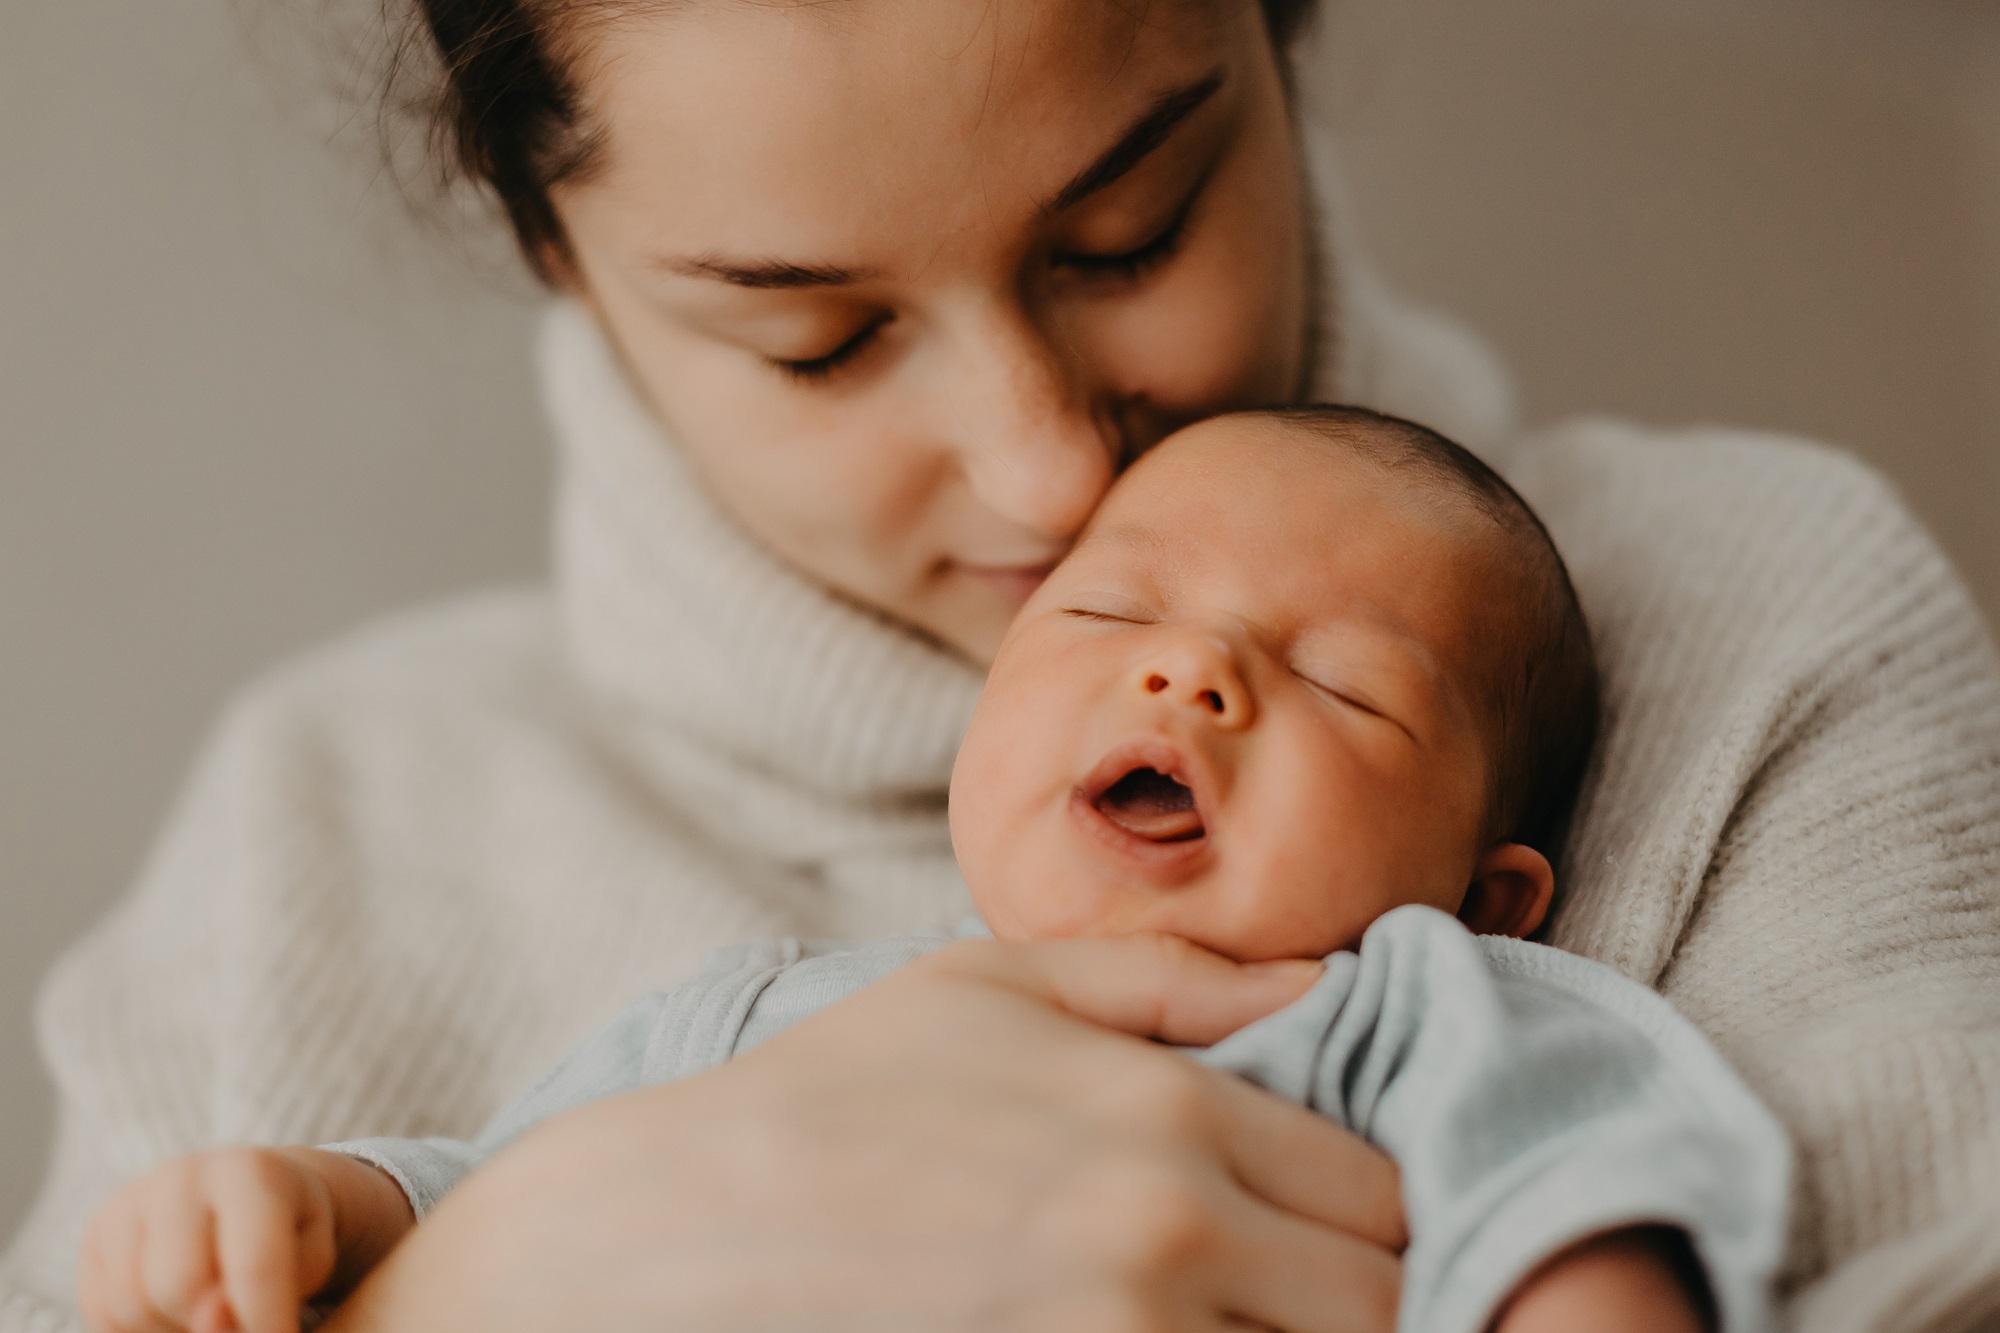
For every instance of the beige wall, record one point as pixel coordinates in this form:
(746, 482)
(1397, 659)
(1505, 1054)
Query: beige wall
(241, 405)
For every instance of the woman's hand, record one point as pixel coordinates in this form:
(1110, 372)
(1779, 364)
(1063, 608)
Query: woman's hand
(951, 1148)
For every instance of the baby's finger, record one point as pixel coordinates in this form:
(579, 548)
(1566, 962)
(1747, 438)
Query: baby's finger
(316, 1254)
(94, 1282)
(132, 1307)
(111, 1293)
(212, 1315)
(256, 1240)
(178, 1261)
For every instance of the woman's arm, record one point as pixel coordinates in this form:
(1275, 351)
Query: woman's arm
(1798, 837)
(951, 1147)
(258, 985)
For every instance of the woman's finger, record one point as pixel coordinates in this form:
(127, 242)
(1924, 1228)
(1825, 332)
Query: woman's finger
(1304, 1278)
(1146, 985)
(1304, 1164)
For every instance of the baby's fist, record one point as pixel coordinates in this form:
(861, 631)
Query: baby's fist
(234, 1239)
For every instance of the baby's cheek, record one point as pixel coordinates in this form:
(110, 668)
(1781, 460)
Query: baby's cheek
(1315, 897)
(988, 812)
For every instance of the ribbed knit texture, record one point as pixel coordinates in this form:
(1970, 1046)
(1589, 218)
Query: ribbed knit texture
(410, 868)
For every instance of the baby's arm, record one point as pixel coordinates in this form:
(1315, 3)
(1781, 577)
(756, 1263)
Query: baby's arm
(1639, 1280)
(236, 1239)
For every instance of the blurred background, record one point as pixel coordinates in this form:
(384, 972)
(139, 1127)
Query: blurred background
(246, 401)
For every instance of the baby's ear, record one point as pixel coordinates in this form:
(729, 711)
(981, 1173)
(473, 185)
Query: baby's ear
(1510, 892)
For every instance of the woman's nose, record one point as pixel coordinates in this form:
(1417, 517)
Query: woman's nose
(1038, 450)
(1199, 672)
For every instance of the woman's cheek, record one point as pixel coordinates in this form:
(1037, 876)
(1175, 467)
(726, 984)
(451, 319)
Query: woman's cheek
(1218, 332)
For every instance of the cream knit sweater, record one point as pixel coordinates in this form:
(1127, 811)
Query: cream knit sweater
(412, 867)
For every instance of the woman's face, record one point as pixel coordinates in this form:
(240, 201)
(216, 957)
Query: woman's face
(911, 280)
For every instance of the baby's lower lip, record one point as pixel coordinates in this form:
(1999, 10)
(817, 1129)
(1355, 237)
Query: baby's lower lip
(1165, 863)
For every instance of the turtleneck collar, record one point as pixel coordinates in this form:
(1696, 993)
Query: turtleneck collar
(681, 618)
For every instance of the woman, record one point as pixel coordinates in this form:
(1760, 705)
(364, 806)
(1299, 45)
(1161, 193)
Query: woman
(870, 300)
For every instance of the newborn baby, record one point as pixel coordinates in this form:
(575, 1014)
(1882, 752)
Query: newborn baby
(1312, 684)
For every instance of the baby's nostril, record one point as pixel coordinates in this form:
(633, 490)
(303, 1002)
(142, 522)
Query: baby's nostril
(1155, 683)
(1213, 699)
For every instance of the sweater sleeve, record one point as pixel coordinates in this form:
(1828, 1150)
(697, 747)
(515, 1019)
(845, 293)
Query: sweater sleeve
(1801, 848)
(1866, 846)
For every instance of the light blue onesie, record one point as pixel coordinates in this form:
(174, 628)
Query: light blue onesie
(1530, 1097)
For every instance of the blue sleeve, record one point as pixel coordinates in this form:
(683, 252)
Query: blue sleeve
(743, 996)
(666, 1035)
(1531, 1099)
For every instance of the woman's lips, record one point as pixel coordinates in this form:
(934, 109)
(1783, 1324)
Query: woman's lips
(1014, 582)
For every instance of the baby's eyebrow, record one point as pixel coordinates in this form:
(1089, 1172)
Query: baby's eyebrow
(1150, 540)
(1387, 637)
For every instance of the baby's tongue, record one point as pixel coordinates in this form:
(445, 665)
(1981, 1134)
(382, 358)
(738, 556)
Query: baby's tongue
(1153, 806)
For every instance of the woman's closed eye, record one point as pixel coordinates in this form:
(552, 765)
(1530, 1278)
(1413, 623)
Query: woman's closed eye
(1130, 265)
(1123, 266)
(819, 368)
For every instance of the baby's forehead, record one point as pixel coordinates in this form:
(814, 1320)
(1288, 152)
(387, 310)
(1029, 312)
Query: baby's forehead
(1279, 500)
(1272, 468)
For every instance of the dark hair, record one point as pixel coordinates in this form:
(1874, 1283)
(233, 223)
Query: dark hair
(502, 112)
(1544, 690)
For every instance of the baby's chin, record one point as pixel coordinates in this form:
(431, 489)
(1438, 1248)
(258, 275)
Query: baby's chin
(1026, 922)
(1024, 928)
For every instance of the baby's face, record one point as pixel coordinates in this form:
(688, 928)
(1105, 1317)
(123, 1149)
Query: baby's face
(1242, 711)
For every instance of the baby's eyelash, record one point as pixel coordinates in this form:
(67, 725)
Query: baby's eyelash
(1082, 613)
(1342, 696)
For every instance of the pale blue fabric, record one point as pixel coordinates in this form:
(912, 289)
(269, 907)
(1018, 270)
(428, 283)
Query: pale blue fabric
(1531, 1098)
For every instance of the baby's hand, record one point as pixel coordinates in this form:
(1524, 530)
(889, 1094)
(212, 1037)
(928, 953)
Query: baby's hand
(235, 1239)
(1637, 1280)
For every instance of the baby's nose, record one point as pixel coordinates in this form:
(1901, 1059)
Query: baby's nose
(1200, 672)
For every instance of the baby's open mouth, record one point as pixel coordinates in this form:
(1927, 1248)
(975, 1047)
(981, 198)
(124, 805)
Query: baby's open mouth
(1149, 804)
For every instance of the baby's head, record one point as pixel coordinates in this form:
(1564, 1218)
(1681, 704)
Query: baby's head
(1304, 666)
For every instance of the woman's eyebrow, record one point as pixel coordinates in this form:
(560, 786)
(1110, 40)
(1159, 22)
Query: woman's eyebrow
(1146, 133)
(762, 273)
(1153, 127)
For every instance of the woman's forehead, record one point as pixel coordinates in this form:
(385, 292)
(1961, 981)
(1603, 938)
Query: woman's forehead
(783, 122)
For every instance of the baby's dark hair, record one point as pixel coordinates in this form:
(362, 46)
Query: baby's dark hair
(1543, 687)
